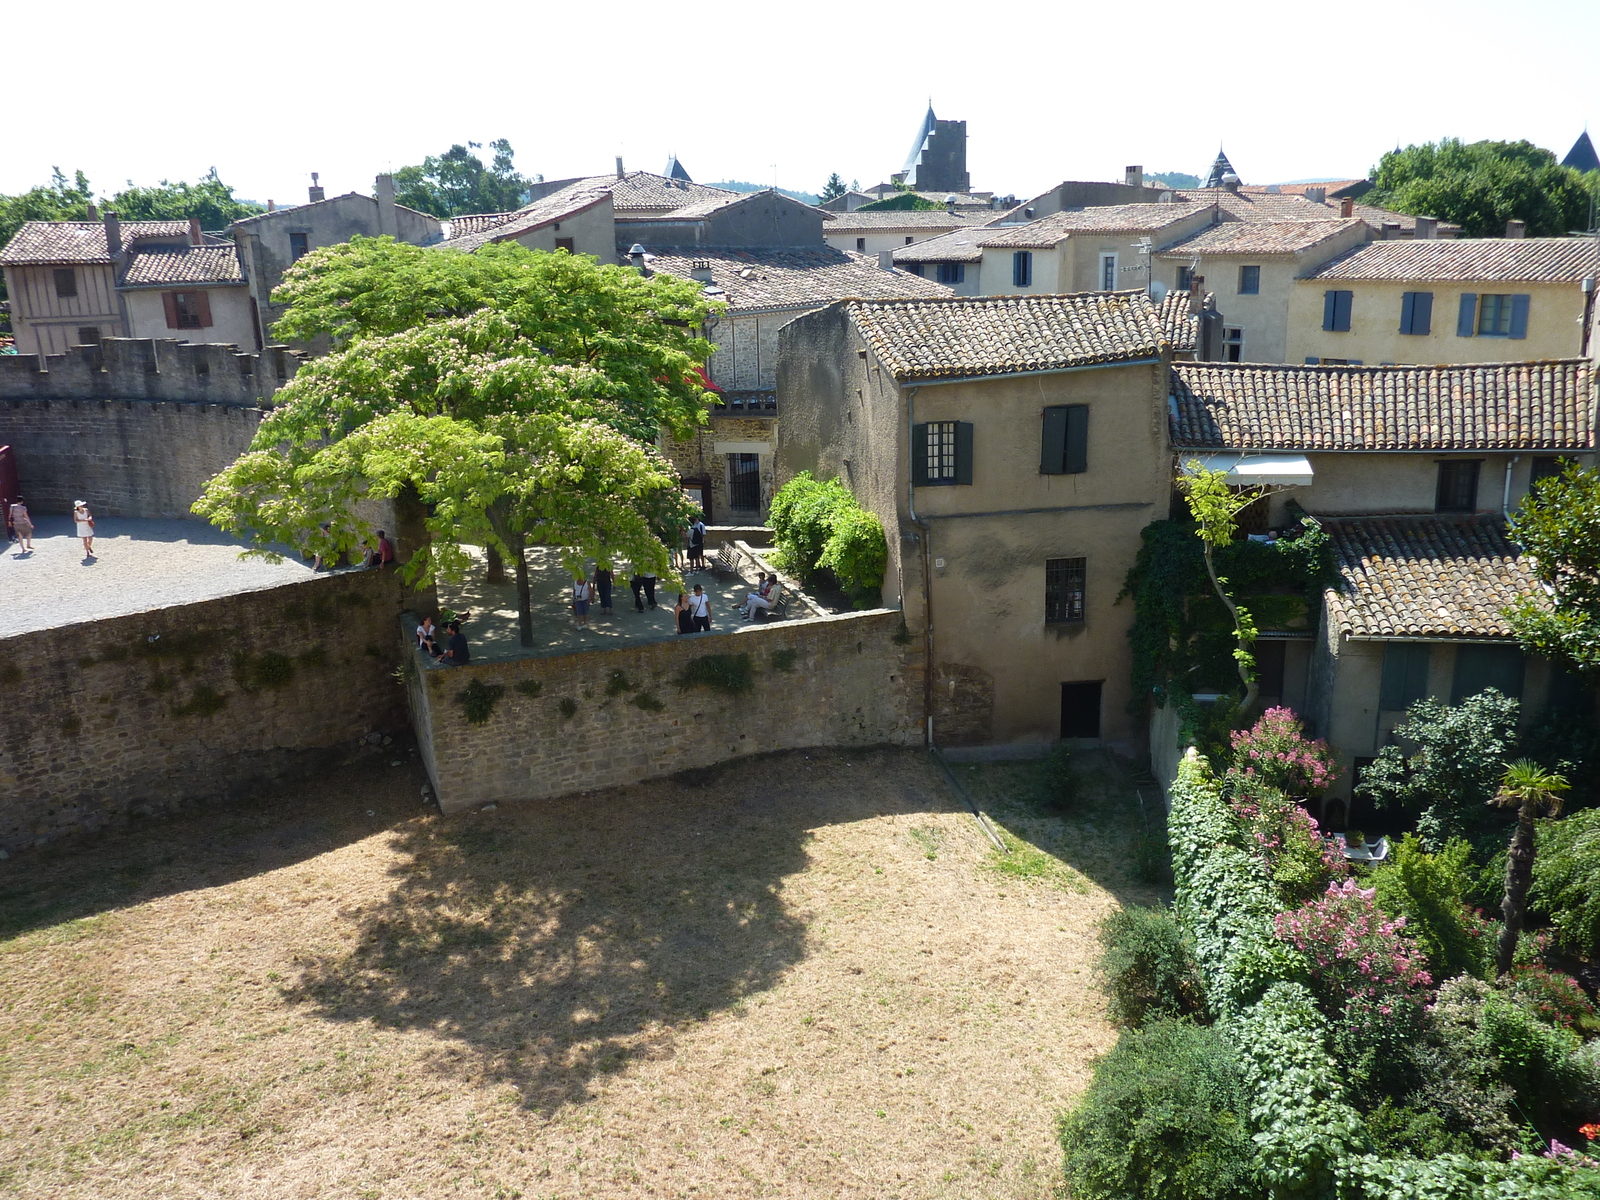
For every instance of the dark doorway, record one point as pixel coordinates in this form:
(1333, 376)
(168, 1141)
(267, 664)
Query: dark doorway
(1080, 710)
(744, 482)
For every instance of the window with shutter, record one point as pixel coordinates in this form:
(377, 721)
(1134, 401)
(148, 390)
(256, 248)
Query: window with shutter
(66, 282)
(1185, 278)
(1064, 447)
(919, 455)
(202, 308)
(1336, 307)
(1458, 486)
(1022, 268)
(1547, 467)
(1467, 316)
(1249, 281)
(169, 302)
(941, 437)
(1480, 667)
(186, 307)
(1494, 315)
(1519, 316)
(964, 452)
(1077, 448)
(1405, 675)
(952, 272)
(1416, 313)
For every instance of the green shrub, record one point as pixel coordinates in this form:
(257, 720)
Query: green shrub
(1554, 998)
(1164, 1118)
(1299, 862)
(1147, 967)
(1458, 1177)
(856, 553)
(272, 670)
(801, 518)
(1566, 880)
(1430, 892)
(1399, 1129)
(1152, 858)
(729, 674)
(530, 687)
(478, 700)
(648, 702)
(783, 660)
(568, 707)
(618, 683)
(1056, 784)
(204, 702)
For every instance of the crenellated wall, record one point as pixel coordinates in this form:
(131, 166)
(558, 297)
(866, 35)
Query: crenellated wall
(149, 369)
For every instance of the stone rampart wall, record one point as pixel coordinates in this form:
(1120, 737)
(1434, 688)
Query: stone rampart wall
(835, 681)
(148, 712)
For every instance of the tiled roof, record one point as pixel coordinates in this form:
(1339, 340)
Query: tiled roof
(154, 266)
(869, 221)
(761, 280)
(1476, 406)
(467, 223)
(1112, 218)
(81, 241)
(1469, 260)
(1328, 186)
(961, 245)
(1425, 577)
(1259, 237)
(279, 212)
(696, 207)
(1003, 335)
(557, 206)
(1181, 327)
(640, 192)
(1258, 206)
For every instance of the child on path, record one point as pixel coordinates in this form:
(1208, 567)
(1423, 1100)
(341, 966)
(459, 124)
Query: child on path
(84, 521)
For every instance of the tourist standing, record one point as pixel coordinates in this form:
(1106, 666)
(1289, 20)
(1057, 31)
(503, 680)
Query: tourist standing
(648, 578)
(680, 614)
(580, 601)
(603, 582)
(697, 545)
(83, 519)
(23, 524)
(636, 582)
(700, 610)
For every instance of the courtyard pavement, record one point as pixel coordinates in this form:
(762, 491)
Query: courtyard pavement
(138, 565)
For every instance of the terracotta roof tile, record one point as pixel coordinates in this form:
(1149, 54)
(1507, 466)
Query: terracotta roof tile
(1469, 260)
(761, 280)
(1259, 237)
(1476, 406)
(467, 223)
(1425, 577)
(158, 265)
(557, 206)
(1181, 327)
(81, 241)
(890, 221)
(1002, 335)
(1111, 218)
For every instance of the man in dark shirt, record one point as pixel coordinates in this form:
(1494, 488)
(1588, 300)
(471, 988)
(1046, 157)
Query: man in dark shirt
(456, 654)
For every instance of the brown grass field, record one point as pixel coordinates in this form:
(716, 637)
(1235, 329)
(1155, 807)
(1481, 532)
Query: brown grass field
(803, 975)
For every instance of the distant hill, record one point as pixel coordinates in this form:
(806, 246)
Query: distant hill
(1175, 179)
(739, 185)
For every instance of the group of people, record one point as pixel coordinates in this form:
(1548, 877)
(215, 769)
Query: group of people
(455, 652)
(19, 525)
(375, 552)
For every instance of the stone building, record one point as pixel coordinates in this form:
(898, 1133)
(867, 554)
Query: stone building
(576, 220)
(938, 158)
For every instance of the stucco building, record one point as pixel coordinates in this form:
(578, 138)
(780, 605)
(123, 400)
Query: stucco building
(875, 232)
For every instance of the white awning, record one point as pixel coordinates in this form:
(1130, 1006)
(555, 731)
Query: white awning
(1245, 470)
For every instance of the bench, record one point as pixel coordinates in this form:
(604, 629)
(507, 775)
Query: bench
(726, 562)
(780, 605)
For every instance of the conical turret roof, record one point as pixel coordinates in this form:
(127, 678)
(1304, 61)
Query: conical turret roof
(1218, 169)
(1582, 156)
(674, 170)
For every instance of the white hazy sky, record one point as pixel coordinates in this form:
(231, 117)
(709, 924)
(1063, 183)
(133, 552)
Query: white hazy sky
(268, 93)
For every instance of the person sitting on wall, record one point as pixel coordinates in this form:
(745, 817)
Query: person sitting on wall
(456, 653)
(426, 638)
(384, 553)
(762, 597)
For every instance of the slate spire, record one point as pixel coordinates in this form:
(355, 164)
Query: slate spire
(1218, 169)
(674, 170)
(1582, 156)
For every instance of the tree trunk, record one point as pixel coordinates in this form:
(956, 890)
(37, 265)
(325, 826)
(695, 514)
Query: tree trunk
(1251, 688)
(1519, 874)
(524, 592)
(497, 566)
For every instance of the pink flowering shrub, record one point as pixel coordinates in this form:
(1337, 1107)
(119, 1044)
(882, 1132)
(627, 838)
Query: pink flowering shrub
(1355, 951)
(1276, 751)
(1554, 998)
(1300, 861)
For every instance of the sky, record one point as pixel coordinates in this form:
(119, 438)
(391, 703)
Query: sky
(783, 93)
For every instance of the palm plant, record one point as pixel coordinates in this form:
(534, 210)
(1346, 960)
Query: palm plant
(1533, 792)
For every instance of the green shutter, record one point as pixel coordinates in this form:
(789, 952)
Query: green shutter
(1408, 311)
(1053, 445)
(1519, 316)
(1075, 456)
(1480, 667)
(963, 451)
(1330, 307)
(1405, 675)
(1467, 318)
(919, 455)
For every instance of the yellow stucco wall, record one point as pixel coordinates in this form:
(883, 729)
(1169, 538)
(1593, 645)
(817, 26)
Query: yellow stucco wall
(592, 232)
(230, 316)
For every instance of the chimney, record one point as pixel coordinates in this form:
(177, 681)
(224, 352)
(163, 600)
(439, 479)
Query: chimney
(113, 234)
(1427, 227)
(1317, 195)
(1197, 294)
(195, 238)
(619, 166)
(700, 269)
(1347, 206)
(1133, 176)
(383, 190)
(886, 260)
(636, 251)
(1516, 229)
(317, 193)
(94, 213)
(272, 205)
(1230, 183)
(1391, 230)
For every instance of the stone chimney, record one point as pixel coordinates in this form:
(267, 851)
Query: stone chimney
(619, 166)
(1197, 294)
(1427, 228)
(272, 205)
(1133, 176)
(1391, 230)
(1516, 229)
(316, 191)
(700, 269)
(1317, 195)
(886, 260)
(1230, 183)
(196, 238)
(1347, 206)
(383, 191)
(94, 213)
(113, 234)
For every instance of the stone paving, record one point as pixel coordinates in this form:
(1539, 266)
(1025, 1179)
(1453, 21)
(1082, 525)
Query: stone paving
(138, 565)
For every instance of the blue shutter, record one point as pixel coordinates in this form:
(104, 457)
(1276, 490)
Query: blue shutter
(1341, 311)
(1053, 444)
(1312, 360)
(1408, 311)
(1405, 675)
(919, 455)
(963, 451)
(1467, 318)
(1330, 308)
(1076, 452)
(1422, 314)
(1519, 316)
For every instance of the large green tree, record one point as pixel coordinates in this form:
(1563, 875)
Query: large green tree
(1482, 185)
(208, 198)
(59, 200)
(1558, 527)
(456, 182)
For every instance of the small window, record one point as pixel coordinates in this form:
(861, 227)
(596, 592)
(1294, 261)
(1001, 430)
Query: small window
(1480, 667)
(88, 335)
(1416, 313)
(1458, 486)
(941, 453)
(1335, 362)
(909, 239)
(1494, 316)
(566, 244)
(1108, 272)
(915, 269)
(952, 272)
(186, 310)
(1022, 269)
(1232, 345)
(1064, 448)
(861, 245)
(1547, 466)
(66, 282)
(1063, 590)
(1405, 675)
(1336, 311)
(299, 245)
(1249, 281)
(1185, 279)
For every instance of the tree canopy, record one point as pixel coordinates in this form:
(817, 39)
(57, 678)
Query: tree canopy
(457, 182)
(1482, 185)
(1558, 527)
(903, 202)
(833, 189)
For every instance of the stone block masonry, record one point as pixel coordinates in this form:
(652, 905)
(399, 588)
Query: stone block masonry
(593, 719)
(149, 712)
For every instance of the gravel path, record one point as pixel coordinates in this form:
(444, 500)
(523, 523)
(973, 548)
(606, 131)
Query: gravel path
(138, 565)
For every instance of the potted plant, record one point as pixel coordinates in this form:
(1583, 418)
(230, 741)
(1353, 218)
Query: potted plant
(1354, 839)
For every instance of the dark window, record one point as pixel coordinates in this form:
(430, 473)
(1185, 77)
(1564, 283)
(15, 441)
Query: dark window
(1022, 269)
(1547, 466)
(941, 453)
(1467, 315)
(744, 482)
(1185, 279)
(1063, 590)
(861, 245)
(1249, 281)
(1416, 313)
(566, 244)
(1080, 710)
(1479, 667)
(299, 244)
(66, 282)
(1064, 448)
(1405, 675)
(88, 335)
(1458, 486)
(915, 269)
(1108, 272)
(1270, 656)
(952, 272)
(1336, 311)
(1312, 360)
(1494, 316)
(1232, 345)
(909, 239)
(1336, 362)
(187, 310)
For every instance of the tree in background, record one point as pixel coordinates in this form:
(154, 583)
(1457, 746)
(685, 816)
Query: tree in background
(208, 198)
(905, 201)
(1482, 185)
(1558, 527)
(833, 189)
(1534, 792)
(1174, 179)
(457, 182)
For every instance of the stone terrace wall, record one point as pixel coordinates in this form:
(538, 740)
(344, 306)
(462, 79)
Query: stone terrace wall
(102, 721)
(149, 369)
(847, 683)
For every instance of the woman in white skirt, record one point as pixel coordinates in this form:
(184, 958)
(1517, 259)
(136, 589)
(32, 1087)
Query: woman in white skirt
(85, 523)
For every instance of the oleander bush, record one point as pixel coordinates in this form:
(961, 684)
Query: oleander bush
(1298, 860)
(1147, 967)
(1354, 950)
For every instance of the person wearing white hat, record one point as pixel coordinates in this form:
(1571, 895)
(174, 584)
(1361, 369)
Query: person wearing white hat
(84, 520)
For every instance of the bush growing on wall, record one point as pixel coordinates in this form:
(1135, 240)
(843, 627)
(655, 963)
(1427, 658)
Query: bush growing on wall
(1147, 967)
(820, 525)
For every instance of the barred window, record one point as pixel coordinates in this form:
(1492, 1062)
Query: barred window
(941, 450)
(1063, 589)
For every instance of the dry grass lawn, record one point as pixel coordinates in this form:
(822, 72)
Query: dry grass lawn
(802, 976)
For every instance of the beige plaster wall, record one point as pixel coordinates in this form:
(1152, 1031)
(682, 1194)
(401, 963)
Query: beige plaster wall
(231, 321)
(44, 323)
(881, 239)
(592, 231)
(1555, 323)
(997, 267)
